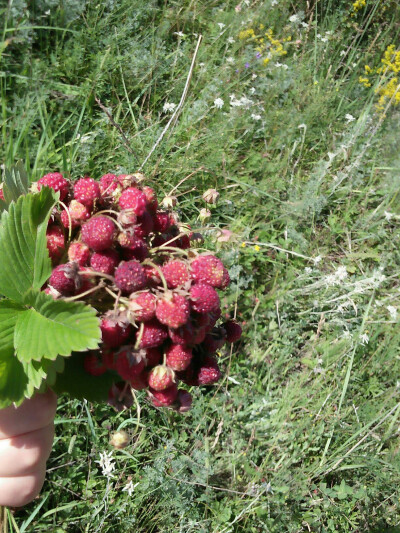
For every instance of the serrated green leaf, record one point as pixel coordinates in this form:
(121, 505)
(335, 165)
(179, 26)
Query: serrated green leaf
(9, 312)
(13, 381)
(25, 261)
(16, 182)
(41, 373)
(49, 328)
(79, 384)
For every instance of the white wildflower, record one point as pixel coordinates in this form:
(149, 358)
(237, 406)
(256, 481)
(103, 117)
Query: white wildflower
(342, 53)
(304, 24)
(364, 339)
(346, 334)
(230, 60)
(341, 273)
(221, 25)
(349, 118)
(231, 40)
(281, 65)
(392, 312)
(388, 216)
(242, 102)
(179, 33)
(274, 2)
(130, 487)
(294, 18)
(303, 126)
(252, 90)
(106, 463)
(218, 103)
(324, 39)
(169, 107)
(254, 76)
(307, 270)
(255, 117)
(317, 259)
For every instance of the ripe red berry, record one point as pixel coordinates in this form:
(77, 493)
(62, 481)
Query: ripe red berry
(130, 277)
(164, 398)
(139, 382)
(109, 357)
(151, 197)
(108, 184)
(162, 221)
(214, 341)
(86, 191)
(142, 306)
(153, 357)
(178, 357)
(209, 372)
(93, 364)
(161, 377)
(129, 362)
(56, 181)
(153, 334)
(55, 242)
(135, 199)
(105, 261)
(209, 269)
(173, 310)
(233, 331)
(175, 273)
(65, 279)
(204, 298)
(98, 233)
(79, 252)
(152, 275)
(133, 247)
(114, 332)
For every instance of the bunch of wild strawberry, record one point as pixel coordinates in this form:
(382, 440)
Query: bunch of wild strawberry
(113, 247)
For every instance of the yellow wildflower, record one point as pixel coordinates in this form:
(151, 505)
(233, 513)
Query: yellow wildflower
(257, 248)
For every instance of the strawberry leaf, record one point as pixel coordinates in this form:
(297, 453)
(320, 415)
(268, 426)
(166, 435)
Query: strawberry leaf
(25, 261)
(48, 328)
(13, 380)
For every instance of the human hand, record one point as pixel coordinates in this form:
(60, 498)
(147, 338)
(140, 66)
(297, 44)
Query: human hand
(26, 438)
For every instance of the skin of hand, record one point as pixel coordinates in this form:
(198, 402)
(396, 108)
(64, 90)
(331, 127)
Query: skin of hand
(26, 438)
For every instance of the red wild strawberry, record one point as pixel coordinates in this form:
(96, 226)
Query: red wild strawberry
(189, 376)
(79, 252)
(105, 261)
(56, 181)
(233, 331)
(151, 197)
(142, 306)
(139, 382)
(129, 362)
(108, 184)
(175, 273)
(204, 298)
(173, 310)
(98, 233)
(153, 357)
(144, 226)
(65, 279)
(55, 242)
(187, 334)
(153, 334)
(108, 357)
(161, 377)
(178, 357)
(161, 221)
(209, 372)
(130, 277)
(225, 280)
(133, 247)
(133, 198)
(209, 269)
(2, 195)
(78, 213)
(152, 275)
(164, 398)
(184, 401)
(214, 341)
(93, 364)
(114, 330)
(86, 191)
(184, 241)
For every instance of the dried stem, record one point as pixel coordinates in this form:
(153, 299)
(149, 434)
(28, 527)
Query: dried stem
(116, 125)
(179, 106)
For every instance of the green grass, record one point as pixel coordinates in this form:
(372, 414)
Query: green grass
(302, 434)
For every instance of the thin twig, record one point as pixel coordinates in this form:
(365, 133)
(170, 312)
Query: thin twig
(116, 125)
(179, 106)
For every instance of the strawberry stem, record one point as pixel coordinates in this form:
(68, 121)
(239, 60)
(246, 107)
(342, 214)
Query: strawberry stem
(163, 280)
(140, 335)
(69, 219)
